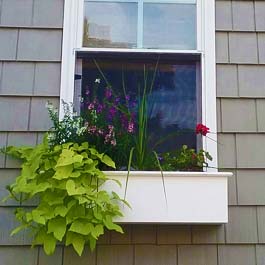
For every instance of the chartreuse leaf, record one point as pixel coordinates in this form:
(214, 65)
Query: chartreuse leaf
(57, 226)
(65, 180)
(108, 161)
(76, 240)
(82, 227)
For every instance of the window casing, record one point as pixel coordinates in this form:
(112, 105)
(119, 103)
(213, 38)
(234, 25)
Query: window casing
(202, 44)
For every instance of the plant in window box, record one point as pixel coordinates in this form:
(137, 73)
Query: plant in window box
(65, 175)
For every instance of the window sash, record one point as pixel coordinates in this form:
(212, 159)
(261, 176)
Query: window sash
(140, 15)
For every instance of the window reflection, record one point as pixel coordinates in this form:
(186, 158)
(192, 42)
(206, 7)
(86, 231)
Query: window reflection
(110, 25)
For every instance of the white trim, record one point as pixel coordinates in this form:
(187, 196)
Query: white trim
(209, 81)
(72, 38)
(147, 1)
(72, 42)
(113, 50)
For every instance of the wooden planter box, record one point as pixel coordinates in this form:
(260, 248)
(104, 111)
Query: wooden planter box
(191, 197)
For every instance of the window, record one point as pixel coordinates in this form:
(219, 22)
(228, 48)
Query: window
(121, 38)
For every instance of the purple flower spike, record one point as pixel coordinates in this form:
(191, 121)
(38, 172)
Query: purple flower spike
(99, 108)
(130, 127)
(108, 93)
(127, 97)
(112, 112)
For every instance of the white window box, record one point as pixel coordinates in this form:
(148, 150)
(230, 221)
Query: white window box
(192, 197)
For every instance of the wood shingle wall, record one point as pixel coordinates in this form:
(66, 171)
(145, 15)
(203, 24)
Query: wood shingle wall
(30, 54)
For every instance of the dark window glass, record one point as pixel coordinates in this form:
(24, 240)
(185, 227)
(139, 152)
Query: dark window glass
(174, 103)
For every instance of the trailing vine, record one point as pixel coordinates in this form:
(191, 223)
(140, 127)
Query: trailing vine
(73, 207)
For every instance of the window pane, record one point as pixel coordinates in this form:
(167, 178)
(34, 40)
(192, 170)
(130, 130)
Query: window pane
(173, 103)
(170, 26)
(110, 25)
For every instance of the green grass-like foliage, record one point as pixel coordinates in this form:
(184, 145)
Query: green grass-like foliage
(72, 207)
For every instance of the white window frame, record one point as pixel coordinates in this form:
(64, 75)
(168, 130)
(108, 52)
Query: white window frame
(72, 42)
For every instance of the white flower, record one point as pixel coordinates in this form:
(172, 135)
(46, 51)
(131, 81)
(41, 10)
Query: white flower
(97, 81)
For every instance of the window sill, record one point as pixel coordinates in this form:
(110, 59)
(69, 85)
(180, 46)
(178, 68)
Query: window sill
(191, 197)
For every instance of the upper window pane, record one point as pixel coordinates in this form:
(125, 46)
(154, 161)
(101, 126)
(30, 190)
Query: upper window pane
(110, 25)
(169, 26)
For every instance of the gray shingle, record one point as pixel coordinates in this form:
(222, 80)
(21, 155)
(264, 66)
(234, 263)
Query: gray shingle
(242, 225)
(118, 238)
(115, 255)
(3, 141)
(260, 252)
(251, 80)
(218, 114)
(55, 259)
(243, 48)
(16, 13)
(251, 185)
(52, 9)
(226, 77)
(47, 79)
(232, 187)
(260, 114)
(238, 115)
(71, 258)
(144, 234)
(250, 150)
(14, 114)
(19, 139)
(221, 47)
(226, 151)
(261, 44)
(8, 44)
(7, 177)
(35, 45)
(18, 255)
(259, 13)
(17, 78)
(173, 234)
(155, 255)
(7, 224)
(39, 118)
(223, 15)
(197, 255)
(243, 15)
(261, 223)
(236, 255)
(208, 234)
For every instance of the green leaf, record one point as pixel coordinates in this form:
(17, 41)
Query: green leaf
(63, 172)
(77, 241)
(111, 226)
(82, 227)
(108, 161)
(49, 244)
(57, 226)
(36, 216)
(18, 229)
(97, 231)
(66, 158)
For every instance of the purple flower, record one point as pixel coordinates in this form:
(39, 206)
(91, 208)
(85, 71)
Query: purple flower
(127, 97)
(108, 93)
(91, 106)
(117, 100)
(112, 112)
(99, 108)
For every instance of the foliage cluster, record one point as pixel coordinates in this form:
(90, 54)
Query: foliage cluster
(73, 207)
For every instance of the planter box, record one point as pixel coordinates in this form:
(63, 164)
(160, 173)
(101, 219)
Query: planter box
(191, 197)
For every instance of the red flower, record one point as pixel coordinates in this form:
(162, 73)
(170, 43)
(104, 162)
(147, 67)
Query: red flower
(202, 129)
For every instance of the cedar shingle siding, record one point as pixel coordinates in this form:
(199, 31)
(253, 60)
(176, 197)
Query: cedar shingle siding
(30, 54)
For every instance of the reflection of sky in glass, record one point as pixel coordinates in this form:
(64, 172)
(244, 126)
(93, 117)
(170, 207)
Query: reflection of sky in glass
(170, 26)
(113, 23)
(173, 102)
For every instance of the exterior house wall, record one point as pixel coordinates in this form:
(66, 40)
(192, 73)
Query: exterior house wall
(30, 55)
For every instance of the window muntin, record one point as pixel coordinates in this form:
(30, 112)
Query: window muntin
(150, 24)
